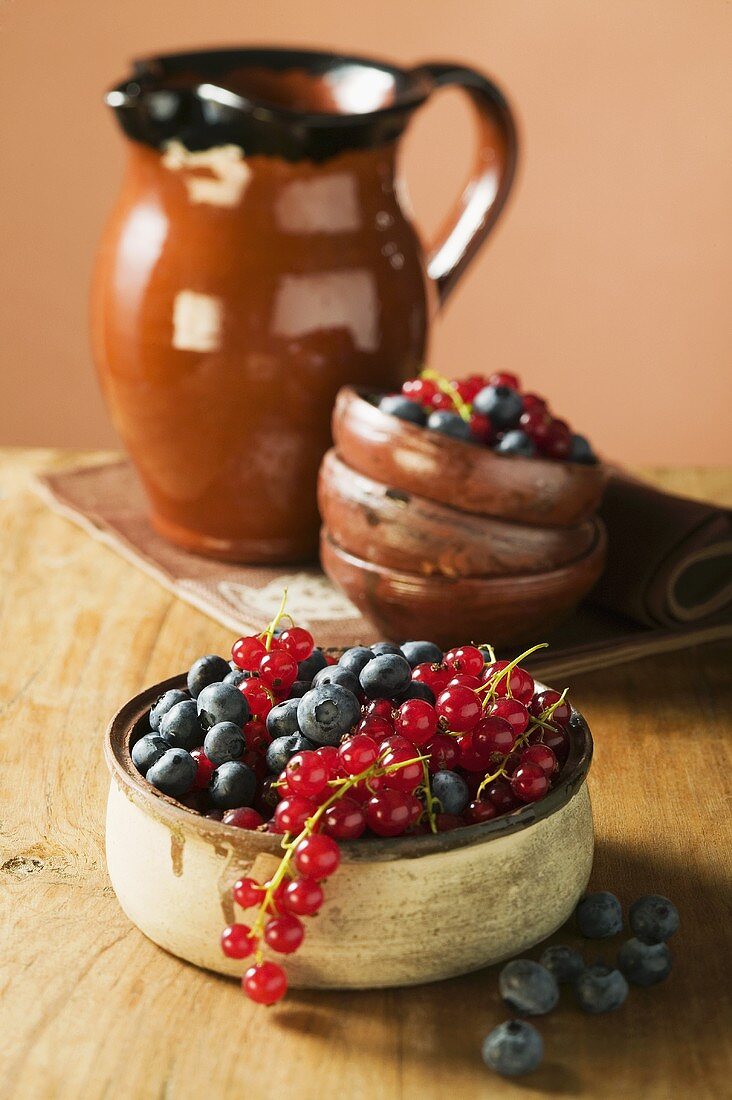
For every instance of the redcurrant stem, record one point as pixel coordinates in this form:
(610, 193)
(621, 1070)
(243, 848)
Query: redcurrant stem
(290, 845)
(430, 800)
(268, 634)
(491, 685)
(448, 387)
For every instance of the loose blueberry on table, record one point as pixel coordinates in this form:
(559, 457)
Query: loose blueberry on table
(491, 411)
(386, 741)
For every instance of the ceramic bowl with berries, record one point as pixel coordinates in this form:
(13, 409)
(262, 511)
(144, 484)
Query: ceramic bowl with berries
(425, 501)
(430, 808)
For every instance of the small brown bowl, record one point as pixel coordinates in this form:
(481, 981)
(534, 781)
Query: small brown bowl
(504, 611)
(391, 911)
(403, 531)
(470, 477)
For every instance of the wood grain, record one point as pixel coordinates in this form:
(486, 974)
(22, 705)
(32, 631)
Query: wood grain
(90, 1009)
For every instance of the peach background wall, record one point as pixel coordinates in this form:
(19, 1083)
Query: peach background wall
(606, 285)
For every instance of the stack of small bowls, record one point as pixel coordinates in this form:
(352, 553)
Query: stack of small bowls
(436, 538)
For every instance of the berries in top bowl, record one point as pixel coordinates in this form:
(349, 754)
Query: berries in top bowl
(492, 412)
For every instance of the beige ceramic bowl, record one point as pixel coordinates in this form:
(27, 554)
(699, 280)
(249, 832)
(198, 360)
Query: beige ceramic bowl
(397, 912)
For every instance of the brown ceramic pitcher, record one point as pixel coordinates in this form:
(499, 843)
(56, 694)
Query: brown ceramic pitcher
(259, 258)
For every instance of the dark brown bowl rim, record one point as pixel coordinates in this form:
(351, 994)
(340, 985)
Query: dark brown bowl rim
(130, 720)
(486, 585)
(592, 472)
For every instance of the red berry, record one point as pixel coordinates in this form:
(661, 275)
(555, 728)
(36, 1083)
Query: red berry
(375, 727)
(469, 387)
(556, 740)
(329, 755)
(292, 813)
(247, 893)
(257, 762)
(236, 941)
(259, 698)
(306, 774)
(500, 794)
(541, 755)
(284, 934)
(344, 820)
(443, 751)
(396, 743)
(265, 983)
(390, 813)
(503, 378)
(462, 679)
(303, 896)
(358, 753)
(367, 788)
(436, 677)
(299, 643)
(408, 776)
(442, 400)
(560, 715)
(492, 735)
(481, 428)
(558, 440)
(460, 707)
(278, 670)
(380, 708)
(529, 782)
(416, 720)
(204, 770)
(474, 757)
(533, 401)
(419, 389)
(246, 653)
(256, 735)
(518, 679)
(317, 857)
(465, 658)
(479, 811)
(535, 422)
(513, 712)
(245, 817)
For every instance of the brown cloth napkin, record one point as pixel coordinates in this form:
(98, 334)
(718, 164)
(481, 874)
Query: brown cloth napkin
(669, 559)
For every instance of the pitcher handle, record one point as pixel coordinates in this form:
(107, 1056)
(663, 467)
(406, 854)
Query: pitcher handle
(485, 194)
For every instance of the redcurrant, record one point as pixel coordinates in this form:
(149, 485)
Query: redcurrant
(303, 896)
(236, 941)
(306, 774)
(529, 782)
(284, 934)
(317, 856)
(204, 770)
(460, 707)
(278, 670)
(298, 642)
(247, 893)
(416, 720)
(265, 983)
(246, 653)
(344, 820)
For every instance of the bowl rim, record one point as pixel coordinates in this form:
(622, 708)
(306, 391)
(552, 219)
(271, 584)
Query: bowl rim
(358, 396)
(130, 720)
(477, 584)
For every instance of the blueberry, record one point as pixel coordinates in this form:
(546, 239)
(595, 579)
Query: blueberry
(206, 670)
(232, 784)
(449, 423)
(282, 719)
(237, 676)
(163, 704)
(528, 987)
(147, 751)
(180, 726)
(328, 711)
(403, 407)
(644, 963)
(599, 916)
(385, 676)
(653, 918)
(452, 791)
(600, 989)
(222, 703)
(312, 664)
(380, 648)
(224, 741)
(281, 749)
(173, 773)
(421, 653)
(513, 1048)
(516, 442)
(299, 688)
(335, 674)
(501, 404)
(355, 658)
(416, 690)
(564, 963)
(581, 451)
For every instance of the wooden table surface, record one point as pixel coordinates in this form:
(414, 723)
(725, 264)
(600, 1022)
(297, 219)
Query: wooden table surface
(90, 1008)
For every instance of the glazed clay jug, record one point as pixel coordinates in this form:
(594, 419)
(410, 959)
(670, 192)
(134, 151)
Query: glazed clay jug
(259, 258)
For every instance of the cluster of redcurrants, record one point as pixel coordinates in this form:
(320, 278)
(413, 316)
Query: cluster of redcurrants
(492, 411)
